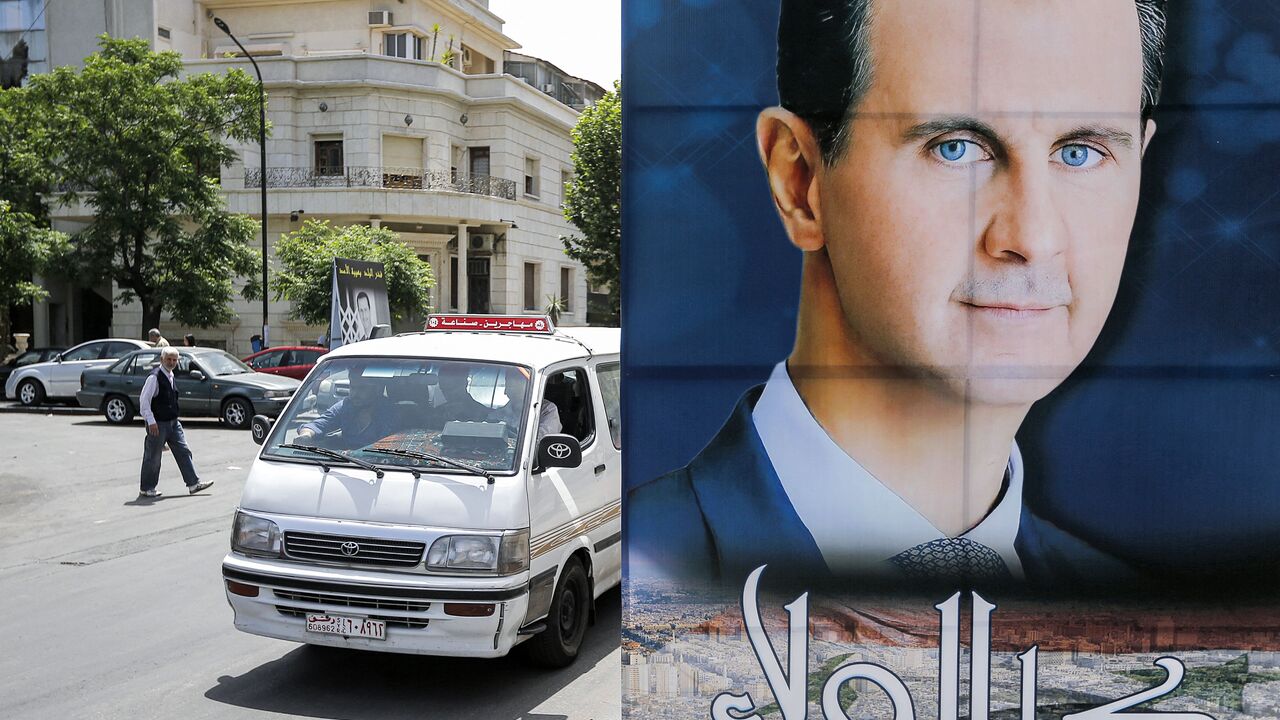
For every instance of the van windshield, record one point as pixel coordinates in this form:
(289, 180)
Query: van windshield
(468, 412)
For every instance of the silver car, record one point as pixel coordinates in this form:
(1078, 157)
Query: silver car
(59, 378)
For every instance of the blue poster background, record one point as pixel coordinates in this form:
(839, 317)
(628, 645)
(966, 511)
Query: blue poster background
(1164, 447)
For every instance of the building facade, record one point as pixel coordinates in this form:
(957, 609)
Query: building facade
(396, 114)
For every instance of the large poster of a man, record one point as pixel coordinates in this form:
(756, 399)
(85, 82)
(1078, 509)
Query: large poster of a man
(359, 301)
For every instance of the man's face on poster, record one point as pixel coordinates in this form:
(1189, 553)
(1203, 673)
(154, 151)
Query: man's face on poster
(978, 220)
(364, 311)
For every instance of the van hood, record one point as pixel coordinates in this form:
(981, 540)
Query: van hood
(440, 500)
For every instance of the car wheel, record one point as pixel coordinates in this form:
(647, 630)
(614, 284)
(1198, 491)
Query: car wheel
(557, 646)
(117, 409)
(30, 392)
(237, 412)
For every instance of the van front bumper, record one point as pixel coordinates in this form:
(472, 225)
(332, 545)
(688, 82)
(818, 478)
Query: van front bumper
(413, 607)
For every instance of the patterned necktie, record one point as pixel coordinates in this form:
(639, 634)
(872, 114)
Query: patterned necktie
(952, 559)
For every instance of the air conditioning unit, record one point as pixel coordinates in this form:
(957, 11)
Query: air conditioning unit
(466, 56)
(380, 18)
(481, 242)
(549, 88)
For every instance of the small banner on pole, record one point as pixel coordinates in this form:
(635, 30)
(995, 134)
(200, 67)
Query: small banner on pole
(359, 301)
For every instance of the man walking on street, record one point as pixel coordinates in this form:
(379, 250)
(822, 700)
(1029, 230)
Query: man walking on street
(159, 403)
(156, 338)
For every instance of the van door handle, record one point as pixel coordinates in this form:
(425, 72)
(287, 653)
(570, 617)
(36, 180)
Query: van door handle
(599, 469)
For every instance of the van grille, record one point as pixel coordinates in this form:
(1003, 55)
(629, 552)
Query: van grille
(353, 550)
(352, 601)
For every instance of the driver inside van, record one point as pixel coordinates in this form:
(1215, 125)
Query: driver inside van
(363, 417)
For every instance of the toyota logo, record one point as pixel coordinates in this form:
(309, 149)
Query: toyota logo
(559, 451)
(349, 548)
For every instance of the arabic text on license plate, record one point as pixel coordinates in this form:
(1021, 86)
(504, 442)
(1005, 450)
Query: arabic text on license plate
(348, 626)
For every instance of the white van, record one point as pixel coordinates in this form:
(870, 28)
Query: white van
(450, 492)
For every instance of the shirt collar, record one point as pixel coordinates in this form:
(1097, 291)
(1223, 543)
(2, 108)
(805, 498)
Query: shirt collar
(856, 521)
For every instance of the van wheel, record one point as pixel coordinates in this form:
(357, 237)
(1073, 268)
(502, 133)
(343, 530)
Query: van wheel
(557, 646)
(30, 392)
(117, 409)
(237, 413)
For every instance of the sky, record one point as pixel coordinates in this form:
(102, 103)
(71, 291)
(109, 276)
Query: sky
(581, 37)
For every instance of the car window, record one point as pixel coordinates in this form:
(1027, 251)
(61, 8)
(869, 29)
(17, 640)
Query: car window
(223, 363)
(121, 366)
(310, 357)
(286, 358)
(610, 377)
(26, 358)
(88, 351)
(118, 349)
(143, 362)
(269, 360)
(572, 397)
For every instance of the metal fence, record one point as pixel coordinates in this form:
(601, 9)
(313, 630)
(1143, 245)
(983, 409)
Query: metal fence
(386, 177)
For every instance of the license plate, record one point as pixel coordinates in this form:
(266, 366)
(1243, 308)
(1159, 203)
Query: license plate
(347, 626)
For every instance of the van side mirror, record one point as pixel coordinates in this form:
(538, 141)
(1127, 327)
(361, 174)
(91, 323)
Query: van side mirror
(259, 427)
(559, 450)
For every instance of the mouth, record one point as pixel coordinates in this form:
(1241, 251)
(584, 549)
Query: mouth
(1011, 311)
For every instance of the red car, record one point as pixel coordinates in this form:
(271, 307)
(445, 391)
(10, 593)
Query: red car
(294, 362)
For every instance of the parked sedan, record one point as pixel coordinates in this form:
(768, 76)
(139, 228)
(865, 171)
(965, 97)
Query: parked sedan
(294, 361)
(60, 377)
(23, 359)
(211, 382)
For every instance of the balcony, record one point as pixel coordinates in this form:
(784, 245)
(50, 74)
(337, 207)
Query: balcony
(393, 178)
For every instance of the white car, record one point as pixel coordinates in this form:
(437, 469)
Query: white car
(419, 495)
(60, 378)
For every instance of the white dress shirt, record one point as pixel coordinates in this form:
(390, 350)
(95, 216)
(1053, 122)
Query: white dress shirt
(149, 391)
(857, 522)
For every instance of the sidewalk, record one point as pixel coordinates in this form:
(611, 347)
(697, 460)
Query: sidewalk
(13, 406)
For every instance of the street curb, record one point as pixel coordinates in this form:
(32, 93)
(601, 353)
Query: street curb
(13, 407)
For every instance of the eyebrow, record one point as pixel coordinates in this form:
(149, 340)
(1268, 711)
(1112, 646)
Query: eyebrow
(974, 126)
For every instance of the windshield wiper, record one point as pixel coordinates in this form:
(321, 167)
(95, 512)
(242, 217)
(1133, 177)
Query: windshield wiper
(336, 456)
(432, 458)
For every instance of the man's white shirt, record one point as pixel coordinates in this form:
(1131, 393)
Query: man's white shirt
(857, 522)
(149, 392)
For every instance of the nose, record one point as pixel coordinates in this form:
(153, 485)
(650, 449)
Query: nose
(1026, 227)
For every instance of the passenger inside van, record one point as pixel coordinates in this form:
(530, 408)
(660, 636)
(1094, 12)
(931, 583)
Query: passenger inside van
(363, 417)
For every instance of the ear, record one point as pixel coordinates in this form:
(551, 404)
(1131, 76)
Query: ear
(1147, 131)
(792, 163)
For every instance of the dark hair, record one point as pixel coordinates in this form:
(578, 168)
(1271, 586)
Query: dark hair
(189, 339)
(365, 295)
(825, 63)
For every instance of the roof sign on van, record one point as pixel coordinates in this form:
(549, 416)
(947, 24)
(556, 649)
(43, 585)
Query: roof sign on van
(539, 324)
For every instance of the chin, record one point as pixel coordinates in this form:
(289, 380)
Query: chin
(1011, 391)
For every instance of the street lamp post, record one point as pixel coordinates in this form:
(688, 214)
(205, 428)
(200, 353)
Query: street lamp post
(262, 154)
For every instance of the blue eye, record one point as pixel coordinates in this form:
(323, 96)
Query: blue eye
(1079, 156)
(957, 152)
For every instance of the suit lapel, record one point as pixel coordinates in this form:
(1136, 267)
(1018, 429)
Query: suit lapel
(746, 509)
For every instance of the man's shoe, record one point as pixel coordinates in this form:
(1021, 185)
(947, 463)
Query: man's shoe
(193, 489)
(150, 494)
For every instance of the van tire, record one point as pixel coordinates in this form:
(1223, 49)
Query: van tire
(558, 645)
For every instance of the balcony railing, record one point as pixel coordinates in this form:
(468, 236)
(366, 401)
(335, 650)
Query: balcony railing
(398, 178)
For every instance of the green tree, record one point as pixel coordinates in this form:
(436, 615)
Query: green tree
(306, 275)
(24, 173)
(593, 198)
(25, 248)
(142, 148)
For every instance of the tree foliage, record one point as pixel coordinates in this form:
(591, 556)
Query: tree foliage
(142, 147)
(25, 248)
(306, 276)
(24, 172)
(593, 198)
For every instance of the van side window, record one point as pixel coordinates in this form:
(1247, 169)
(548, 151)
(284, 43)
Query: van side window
(610, 377)
(572, 397)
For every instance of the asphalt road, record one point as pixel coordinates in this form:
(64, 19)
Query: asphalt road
(114, 608)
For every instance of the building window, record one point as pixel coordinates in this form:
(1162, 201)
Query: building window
(531, 177)
(479, 161)
(453, 282)
(402, 45)
(566, 289)
(164, 33)
(328, 157)
(531, 286)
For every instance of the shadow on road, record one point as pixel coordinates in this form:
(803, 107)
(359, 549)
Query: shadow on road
(136, 424)
(334, 683)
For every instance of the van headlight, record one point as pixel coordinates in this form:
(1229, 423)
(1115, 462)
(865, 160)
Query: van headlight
(503, 555)
(255, 536)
